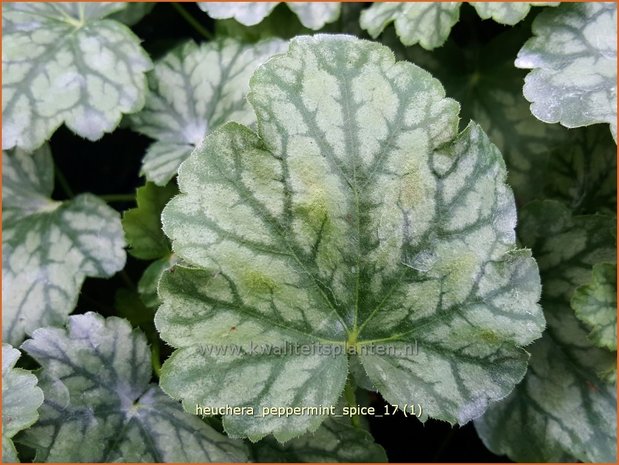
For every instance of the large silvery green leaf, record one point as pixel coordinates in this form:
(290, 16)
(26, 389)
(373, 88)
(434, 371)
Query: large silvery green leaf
(66, 63)
(49, 247)
(21, 399)
(564, 409)
(313, 15)
(426, 23)
(95, 378)
(573, 55)
(543, 161)
(335, 441)
(509, 13)
(195, 89)
(595, 305)
(356, 217)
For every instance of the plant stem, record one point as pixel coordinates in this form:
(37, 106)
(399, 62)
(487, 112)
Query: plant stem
(351, 400)
(155, 359)
(118, 198)
(192, 21)
(66, 188)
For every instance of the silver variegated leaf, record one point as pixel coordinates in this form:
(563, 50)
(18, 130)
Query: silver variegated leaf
(313, 15)
(429, 23)
(195, 89)
(509, 13)
(356, 217)
(21, 399)
(564, 410)
(425, 23)
(95, 377)
(49, 247)
(595, 305)
(573, 55)
(66, 63)
(335, 441)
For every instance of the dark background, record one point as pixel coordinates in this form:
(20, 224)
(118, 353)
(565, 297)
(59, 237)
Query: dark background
(111, 166)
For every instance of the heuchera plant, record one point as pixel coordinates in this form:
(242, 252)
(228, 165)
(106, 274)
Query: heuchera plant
(341, 220)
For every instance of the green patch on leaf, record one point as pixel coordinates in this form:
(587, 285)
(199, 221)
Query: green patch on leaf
(595, 305)
(66, 63)
(573, 55)
(49, 247)
(564, 409)
(21, 399)
(194, 90)
(95, 378)
(413, 244)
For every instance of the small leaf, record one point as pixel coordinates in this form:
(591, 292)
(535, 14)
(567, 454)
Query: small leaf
(426, 23)
(49, 247)
(313, 15)
(573, 55)
(335, 441)
(563, 409)
(142, 225)
(509, 13)
(95, 378)
(195, 89)
(21, 399)
(595, 305)
(66, 63)
(357, 216)
(147, 285)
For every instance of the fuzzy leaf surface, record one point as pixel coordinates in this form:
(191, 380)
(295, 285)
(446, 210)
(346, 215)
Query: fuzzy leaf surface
(356, 216)
(573, 55)
(66, 63)
(95, 377)
(194, 90)
(595, 305)
(49, 247)
(312, 15)
(21, 399)
(564, 409)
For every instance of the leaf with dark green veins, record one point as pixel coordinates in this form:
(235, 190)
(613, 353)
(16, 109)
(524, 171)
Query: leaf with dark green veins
(429, 23)
(194, 90)
(595, 305)
(543, 161)
(313, 15)
(573, 55)
(21, 399)
(335, 441)
(95, 378)
(564, 409)
(66, 63)
(426, 23)
(49, 247)
(357, 216)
